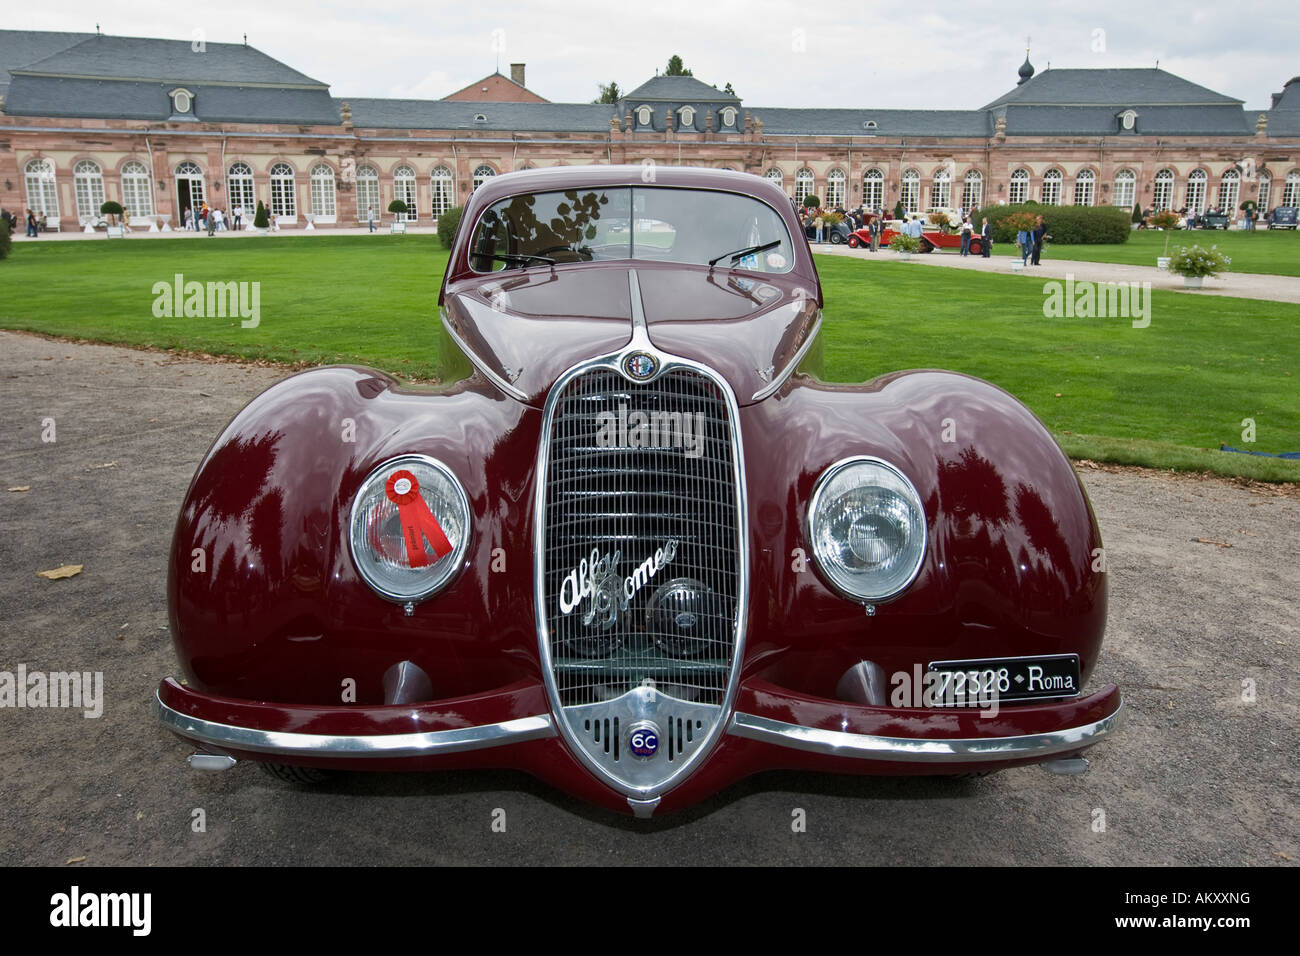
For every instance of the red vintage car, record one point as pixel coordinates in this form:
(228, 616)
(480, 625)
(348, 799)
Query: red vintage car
(931, 238)
(634, 544)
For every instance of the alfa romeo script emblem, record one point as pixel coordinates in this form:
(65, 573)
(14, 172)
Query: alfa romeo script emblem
(640, 366)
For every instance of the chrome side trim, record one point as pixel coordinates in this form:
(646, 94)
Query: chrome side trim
(478, 363)
(834, 743)
(780, 378)
(429, 743)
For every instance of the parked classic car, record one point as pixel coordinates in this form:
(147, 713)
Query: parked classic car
(634, 544)
(1283, 217)
(834, 234)
(931, 238)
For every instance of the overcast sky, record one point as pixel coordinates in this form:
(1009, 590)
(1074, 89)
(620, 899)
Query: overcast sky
(945, 55)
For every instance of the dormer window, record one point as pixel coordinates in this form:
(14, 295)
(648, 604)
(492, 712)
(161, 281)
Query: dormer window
(643, 115)
(1128, 119)
(869, 124)
(182, 101)
(687, 115)
(728, 114)
(480, 118)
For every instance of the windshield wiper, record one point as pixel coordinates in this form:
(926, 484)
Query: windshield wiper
(521, 258)
(748, 251)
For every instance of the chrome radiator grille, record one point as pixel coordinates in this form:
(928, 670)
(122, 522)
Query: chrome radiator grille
(640, 560)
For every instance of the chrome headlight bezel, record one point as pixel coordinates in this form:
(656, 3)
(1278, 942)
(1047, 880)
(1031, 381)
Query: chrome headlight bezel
(424, 582)
(902, 486)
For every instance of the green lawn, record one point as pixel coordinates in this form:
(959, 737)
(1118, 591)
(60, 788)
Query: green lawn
(1273, 253)
(1164, 396)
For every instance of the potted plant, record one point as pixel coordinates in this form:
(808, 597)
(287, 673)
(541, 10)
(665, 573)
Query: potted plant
(1168, 222)
(398, 207)
(811, 202)
(112, 210)
(1195, 263)
(904, 245)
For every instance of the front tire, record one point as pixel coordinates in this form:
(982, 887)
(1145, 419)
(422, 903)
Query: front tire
(854, 242)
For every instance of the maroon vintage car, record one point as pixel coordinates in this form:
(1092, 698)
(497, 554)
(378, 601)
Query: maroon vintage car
(634, 544)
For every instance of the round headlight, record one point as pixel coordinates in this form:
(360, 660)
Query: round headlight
(409, 528)
(868, 528)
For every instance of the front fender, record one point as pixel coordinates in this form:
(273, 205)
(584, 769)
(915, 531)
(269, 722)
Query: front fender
(1011, 545)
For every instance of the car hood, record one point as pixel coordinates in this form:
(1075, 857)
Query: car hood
(528, 328)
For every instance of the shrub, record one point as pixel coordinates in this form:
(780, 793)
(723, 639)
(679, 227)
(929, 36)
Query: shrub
(898, 210)
(1069, 225)
(398, 206)
(262, 218)
(903, 243)
(110, 208)
(448, 223)
(811, 202)
(1198, 261)
(1137, 213)
(831, 219)
(1166, 221)
(5, 242)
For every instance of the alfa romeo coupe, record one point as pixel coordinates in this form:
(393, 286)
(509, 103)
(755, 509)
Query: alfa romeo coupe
(634, 544)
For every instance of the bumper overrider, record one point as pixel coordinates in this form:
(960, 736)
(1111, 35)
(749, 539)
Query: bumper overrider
(769, 728)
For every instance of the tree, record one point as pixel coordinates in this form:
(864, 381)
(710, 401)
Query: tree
(1137, 212)
(262, 218)
(898, 210)
(111, 209)
(609, 93)
(812, 202)
(675, 67)
(728, 90)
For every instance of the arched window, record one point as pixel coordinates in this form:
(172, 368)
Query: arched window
(323, 207)
(911, 195)
(687, 115)
(404, 189)
(643, 115)
(1229, 192)
(835, 181)
(368, 193)
(137, 197)
(482, 174)
(941, 194)
(189, 187)
(239, 187)
(774, 175)
(1019, 189)
(1052, 187)
(42, 196)
(1262, 196)
(443, 188)
(88, 180)
(1291, 191)
(803, 185)
(284, 201)
(728, 115)
(1085, 187)
(873, 189)
(1125, 189)
(1162, 196)
(1196, 184)
(972, 190)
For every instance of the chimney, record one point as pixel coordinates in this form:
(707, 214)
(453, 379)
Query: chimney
(517, 73)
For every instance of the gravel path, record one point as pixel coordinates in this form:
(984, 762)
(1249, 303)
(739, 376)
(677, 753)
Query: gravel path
(1204, 579)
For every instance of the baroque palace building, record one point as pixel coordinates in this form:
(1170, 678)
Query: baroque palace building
(158, 125)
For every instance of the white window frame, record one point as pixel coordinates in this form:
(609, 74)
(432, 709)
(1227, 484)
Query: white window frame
(775, 175)
(873, 188)
(1018, 190)
(1050, 193)
(1230, 192)
(193, 174)
(728, 115)
(42, 189)
(836, 189)
(239, 189)
(404, 189)
(972, 190)
(1291, 189)
(1125, 187)
(1162, 190)
(442, 190)
(137, 189)
(941, 188)
(482, 173)
(1085, 188)
(1198, 185)
(368, 193)
(910, 196)
(324, 201)
(804, 184)
(686, 115)
(1265, 188)
(88, 187)
(644, 115)
(284, 192)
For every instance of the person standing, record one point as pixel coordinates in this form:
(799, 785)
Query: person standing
(370, 215)
(185, 218)
(31, 224)
(986, 240)
(210, 221)
(239, 217)
(967, 230)
(874, 228)
(1040, 231)
(820, 225)
(1024, 242)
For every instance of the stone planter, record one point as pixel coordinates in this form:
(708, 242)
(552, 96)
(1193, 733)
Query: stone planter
(397, 228)
(115, 232)
(1017, 266)
(1193, 282)
(904, 256)
(1162, 262)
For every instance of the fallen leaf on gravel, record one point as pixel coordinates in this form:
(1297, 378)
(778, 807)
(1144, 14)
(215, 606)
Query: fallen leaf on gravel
(63, 571)
(1217, 544)
(139, 815)
(76, 859)
(1282, 855)
(21, 488)
(107, 464)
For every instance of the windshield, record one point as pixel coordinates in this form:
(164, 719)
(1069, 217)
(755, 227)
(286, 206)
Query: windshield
(661, 224)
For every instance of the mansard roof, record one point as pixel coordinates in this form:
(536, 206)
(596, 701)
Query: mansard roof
(684, 89)
(1110, 87)
(18, 47)
(463, 114)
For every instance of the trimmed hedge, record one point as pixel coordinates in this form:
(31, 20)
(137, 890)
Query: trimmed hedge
(447, 224)
(5, 241)
(1067, 225)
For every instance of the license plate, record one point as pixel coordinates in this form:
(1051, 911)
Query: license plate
(1010, 678)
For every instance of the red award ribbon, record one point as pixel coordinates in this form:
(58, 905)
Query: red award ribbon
(418, 521)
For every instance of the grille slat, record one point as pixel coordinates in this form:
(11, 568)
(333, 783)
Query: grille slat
(678, 627)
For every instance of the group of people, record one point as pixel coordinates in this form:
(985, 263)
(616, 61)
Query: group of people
(205, 217)
(35, 224)
(1030, 242)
